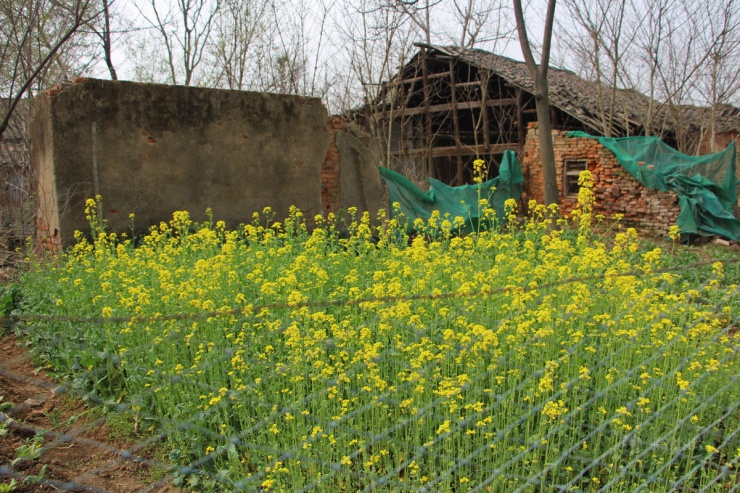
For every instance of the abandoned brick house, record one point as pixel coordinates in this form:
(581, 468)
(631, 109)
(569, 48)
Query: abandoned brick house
(449, 106)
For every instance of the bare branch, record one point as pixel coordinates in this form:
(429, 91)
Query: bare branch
(19, 81)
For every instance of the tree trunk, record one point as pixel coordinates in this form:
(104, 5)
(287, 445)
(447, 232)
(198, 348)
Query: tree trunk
(541, 95)
(547, 152)
(107, 44)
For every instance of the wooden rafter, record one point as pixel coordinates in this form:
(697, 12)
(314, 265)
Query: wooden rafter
(463, 105)
(465, 150)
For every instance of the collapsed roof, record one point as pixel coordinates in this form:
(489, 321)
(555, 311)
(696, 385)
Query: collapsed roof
(587, 100)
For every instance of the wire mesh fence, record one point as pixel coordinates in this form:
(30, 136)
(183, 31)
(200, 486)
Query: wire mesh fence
(470, 394)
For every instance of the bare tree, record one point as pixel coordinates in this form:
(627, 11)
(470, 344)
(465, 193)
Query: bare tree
(242, 36)
(598, 36)
(295, 62)
(102, 28)
(388, 67)
(42, 43)
(184, 30)
(719, 81)
(378, 43)
(619, 43)
(676, 46)
(538, 72)
(479, 22)
(289, 62)
(666, 57)
(32, 36)
(669, 50)
(419, 12)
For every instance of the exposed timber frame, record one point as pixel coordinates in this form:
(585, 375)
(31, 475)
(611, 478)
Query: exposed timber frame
(441, 113)
(456, 123)
(427, 117)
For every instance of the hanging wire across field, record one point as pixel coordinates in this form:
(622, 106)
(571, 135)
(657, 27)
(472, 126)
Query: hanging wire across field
(525, 360)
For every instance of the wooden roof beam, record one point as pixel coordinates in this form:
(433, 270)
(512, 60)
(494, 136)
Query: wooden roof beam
(465, 150)
(465, 105)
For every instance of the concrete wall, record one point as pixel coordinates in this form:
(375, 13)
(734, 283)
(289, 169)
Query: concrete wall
(616, 191)
(154, 149)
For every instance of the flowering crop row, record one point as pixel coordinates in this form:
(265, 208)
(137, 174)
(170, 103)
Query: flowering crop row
(477, 370)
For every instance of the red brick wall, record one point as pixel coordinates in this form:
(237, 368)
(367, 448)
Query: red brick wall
(616, 191)
(721, 141)
(330, 169)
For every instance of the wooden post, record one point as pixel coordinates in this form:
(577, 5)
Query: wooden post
(522, 131)
(427, 117)
(456, 123)
(484, 108)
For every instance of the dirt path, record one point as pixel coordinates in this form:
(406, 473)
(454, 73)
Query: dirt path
(50, 441)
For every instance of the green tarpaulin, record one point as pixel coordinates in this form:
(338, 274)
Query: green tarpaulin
(706, 186)
(457, 201)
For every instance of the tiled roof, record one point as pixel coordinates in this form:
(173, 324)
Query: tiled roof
(581, 98)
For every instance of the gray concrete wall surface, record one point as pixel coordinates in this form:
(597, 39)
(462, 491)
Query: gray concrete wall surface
(359, 178)
(153, 149)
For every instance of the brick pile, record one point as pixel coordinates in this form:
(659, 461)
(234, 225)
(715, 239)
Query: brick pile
(47, 241)
(616, 191)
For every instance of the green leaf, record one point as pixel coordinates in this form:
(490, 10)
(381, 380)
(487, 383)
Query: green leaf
(9, 297)
(8, 487)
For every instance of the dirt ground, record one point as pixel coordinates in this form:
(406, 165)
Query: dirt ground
(67, 445)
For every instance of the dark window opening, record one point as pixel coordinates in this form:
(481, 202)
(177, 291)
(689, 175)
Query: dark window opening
(573, 168)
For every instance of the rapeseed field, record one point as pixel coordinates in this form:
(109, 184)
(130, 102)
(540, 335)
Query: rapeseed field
(351, 356)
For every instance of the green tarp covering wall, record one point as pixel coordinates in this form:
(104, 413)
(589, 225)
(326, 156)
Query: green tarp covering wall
(706, 186)
(457, 201)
